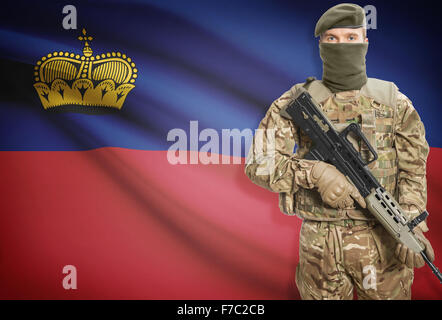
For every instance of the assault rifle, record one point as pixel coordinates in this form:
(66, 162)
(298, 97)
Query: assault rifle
(335, 148)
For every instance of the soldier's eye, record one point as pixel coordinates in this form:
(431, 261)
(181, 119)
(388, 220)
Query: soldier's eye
(351, 38)
(331, 38)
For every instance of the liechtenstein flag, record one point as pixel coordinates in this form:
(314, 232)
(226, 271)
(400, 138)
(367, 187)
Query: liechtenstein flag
(120, 175)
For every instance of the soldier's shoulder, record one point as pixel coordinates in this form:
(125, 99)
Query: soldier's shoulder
(404, 105)
(382, 91)
(388, 92)
(402, 98)
(314, 87)
(380, 82)
(287, 96)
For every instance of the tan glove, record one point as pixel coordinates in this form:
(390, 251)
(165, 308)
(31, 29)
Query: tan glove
(335, 189)
(409, 257)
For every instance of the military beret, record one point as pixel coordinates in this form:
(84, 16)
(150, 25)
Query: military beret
(344, 15)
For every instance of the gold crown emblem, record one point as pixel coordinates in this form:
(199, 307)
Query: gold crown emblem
(68, 79)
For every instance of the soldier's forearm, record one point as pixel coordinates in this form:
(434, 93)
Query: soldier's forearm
(281, 173)
(412, 191)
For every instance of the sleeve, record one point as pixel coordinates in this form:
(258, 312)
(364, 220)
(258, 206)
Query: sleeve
(271, 162)
(412, 152)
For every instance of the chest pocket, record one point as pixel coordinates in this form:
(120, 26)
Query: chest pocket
(376, 121)
(378, 126)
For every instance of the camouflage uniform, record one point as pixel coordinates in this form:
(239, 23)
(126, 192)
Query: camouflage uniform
(334, 258)
(336, 244)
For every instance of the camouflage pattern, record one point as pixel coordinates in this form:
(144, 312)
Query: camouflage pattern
(337, 244)
(396, 132)
(271, 162)
(412, 149)
(336, 258)
(376, 121)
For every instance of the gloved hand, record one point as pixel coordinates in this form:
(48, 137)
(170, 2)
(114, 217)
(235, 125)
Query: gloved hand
(335, 189)
(409, 257)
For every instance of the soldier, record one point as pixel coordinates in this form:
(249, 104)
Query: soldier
(341, 245)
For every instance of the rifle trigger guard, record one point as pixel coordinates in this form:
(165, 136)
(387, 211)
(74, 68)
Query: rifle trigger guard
(353, 127)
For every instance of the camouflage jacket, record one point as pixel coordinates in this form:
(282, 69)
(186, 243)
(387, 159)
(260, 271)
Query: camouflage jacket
(387, 118)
